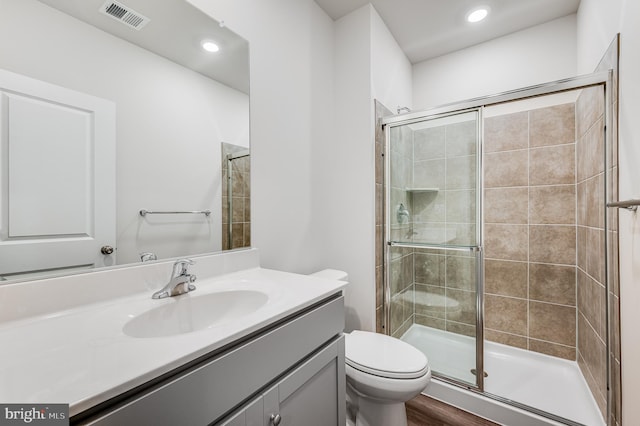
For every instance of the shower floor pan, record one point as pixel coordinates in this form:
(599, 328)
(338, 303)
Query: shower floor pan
(540, 381)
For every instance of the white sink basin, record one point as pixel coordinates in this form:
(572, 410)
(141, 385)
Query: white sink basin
(188, 313)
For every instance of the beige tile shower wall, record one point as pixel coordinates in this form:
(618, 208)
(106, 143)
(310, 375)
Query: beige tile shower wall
(445, 296)
(445, 159)
(380, 111)
(402, 290)
(530, 230)
(597, 163)
(445, 282)
(401, 259)
(592, 296)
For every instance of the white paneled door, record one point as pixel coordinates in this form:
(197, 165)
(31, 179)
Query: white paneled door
(57, 177)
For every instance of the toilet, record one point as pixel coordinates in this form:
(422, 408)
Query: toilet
(382, 374)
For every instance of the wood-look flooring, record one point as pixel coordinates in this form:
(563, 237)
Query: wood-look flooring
(425, 411)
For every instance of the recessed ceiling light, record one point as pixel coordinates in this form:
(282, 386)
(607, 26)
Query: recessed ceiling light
(209, 46)
(478, 14)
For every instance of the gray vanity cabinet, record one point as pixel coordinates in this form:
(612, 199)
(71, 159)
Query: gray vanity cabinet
(310, 395)
(291, 373)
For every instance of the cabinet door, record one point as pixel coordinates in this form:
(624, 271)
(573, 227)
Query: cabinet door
(313, 394)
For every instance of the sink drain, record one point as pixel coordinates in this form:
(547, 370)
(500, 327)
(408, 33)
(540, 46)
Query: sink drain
(473, 371)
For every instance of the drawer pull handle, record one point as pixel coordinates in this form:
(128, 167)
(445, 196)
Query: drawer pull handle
(275, 419)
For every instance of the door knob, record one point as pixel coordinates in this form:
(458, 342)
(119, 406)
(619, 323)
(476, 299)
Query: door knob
(275, 419)
(106, 250)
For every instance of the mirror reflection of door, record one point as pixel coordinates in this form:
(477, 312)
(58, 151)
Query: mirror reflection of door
(174, 103)
(57, 187)
(236, 196)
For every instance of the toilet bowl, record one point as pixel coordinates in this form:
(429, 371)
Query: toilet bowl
(382, 374)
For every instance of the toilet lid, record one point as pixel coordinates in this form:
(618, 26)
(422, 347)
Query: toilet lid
(384, 356)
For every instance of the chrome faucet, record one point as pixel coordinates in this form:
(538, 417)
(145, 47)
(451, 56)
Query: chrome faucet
(180, 281)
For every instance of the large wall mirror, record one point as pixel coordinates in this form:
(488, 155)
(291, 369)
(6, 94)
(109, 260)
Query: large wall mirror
(122, 139)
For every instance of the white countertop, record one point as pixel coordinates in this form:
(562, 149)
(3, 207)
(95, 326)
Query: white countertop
(82, 357)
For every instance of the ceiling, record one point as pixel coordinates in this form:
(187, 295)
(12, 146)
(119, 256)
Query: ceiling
(425, 29)
(174, 31)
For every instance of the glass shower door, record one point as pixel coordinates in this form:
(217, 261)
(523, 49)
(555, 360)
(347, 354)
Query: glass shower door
(433, 240)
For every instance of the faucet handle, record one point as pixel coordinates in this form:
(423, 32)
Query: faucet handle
(180, 266)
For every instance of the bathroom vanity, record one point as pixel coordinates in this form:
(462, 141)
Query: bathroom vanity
(123, 360)
(292, 371)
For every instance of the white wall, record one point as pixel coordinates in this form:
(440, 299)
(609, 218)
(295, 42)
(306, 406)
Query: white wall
(368, 65)
(391, 71)
(170, 121)
(536, 55)
(598, 22)
(313, 192)
(349, 190)
(291, 45)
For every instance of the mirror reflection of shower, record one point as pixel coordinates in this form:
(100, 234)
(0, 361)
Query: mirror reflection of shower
(236, 197)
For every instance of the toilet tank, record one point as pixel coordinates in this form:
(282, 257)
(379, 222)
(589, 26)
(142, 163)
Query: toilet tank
(331, 274)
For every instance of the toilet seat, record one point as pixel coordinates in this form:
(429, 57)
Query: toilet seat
(384, 356)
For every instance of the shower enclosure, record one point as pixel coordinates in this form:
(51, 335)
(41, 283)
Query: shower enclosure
(495, 242)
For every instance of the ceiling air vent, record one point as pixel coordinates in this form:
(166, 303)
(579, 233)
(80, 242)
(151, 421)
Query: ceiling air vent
(124, 14)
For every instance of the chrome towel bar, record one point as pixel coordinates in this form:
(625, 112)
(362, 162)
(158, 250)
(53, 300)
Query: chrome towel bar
(144, 212)
(629, 204)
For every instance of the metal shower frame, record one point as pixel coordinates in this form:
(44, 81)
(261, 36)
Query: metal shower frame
(477, 104)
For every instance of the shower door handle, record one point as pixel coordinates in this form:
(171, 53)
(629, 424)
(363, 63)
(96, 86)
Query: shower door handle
(472, 249)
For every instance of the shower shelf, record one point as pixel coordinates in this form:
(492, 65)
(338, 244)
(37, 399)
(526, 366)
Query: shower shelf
(421, 190)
